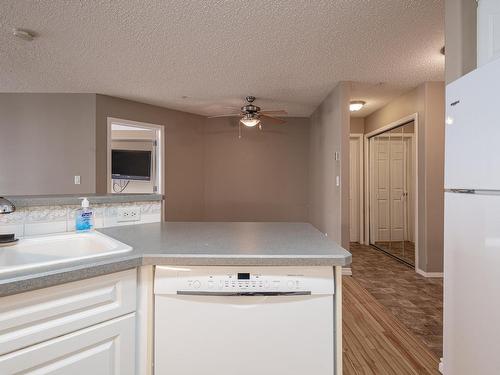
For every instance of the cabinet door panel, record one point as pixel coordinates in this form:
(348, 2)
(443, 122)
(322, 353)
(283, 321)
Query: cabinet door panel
(29, 318)
(104, 349)
(488, 31)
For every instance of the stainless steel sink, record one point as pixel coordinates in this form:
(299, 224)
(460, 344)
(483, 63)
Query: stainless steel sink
(40, 251)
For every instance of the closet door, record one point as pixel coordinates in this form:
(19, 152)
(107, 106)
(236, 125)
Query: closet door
(392, 166)
(488, 31)
(409, 192)
(397, 189)
(379, 191)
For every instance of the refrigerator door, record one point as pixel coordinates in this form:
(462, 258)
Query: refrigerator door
(473, 130)
(472, 284)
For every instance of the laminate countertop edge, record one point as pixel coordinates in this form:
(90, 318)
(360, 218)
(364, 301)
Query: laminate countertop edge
(193, 244)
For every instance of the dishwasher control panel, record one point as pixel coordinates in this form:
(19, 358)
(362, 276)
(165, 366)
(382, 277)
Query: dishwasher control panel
(170, 280)
(245, 281)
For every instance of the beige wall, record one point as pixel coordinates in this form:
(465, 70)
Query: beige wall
(460, 37)
(434, 175)
(428, 101)
(213, 175)
(357, 125)
(262, 176)
(210, 173)
(46, 140)
(407, 104)
(329, 204)
(183, 152)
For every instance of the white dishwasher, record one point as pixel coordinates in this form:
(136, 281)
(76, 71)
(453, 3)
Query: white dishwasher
(244, 321)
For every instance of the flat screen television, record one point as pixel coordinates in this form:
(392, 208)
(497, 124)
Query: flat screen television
(131, 165)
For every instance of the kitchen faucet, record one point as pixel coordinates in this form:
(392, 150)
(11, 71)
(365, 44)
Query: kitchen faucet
(7, 207)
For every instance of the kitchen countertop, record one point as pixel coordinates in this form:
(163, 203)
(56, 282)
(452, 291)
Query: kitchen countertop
(190, 244)
(74, 199)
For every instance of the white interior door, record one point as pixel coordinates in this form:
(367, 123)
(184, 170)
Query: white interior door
(389, 175)
(488, 31)
(397, 187)
(354, 188)
(392, 196)
(381, 191)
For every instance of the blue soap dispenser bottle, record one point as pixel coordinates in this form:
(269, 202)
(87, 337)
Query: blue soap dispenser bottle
(84, 218)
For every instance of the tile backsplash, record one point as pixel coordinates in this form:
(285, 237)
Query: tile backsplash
(30, 221)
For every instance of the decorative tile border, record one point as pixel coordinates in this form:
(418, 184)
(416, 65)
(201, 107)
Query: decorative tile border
(17, 217)
(46, 214)
(29, 221)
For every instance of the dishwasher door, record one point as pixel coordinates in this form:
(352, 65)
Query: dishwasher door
(264, 333)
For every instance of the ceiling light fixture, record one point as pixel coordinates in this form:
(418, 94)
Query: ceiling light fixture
(23, 34)
(250, 121)
(356, 105)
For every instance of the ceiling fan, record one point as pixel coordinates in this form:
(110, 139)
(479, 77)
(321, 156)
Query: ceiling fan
(251, 115)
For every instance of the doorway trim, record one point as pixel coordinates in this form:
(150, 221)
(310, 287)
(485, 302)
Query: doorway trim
(361, 223)
(160, 168)
(413, 117)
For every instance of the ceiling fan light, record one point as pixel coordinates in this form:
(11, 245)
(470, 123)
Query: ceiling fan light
(250, 122)
(356, 105)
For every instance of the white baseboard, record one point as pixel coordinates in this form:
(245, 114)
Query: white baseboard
(429, 274)
(346, 271)
(441, 367)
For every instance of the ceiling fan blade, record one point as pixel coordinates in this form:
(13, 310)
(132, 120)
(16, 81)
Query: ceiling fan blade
(227, 115)
(275, 112)
(272, 119)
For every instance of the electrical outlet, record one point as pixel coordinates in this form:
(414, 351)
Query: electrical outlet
(129, 213)
(77, 180)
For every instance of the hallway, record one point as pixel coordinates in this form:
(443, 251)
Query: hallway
(392, 317)
(375, 342)
(414, 300)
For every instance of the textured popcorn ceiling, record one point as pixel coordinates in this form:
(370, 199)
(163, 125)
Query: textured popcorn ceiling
(200, 56)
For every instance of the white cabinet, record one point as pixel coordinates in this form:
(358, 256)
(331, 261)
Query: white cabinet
(83, 327)
(488, 31)
(36, 316)
(103, 349)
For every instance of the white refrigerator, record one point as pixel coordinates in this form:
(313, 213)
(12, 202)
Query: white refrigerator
(472, 224)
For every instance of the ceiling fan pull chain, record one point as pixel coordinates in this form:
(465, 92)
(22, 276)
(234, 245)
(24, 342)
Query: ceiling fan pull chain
(239, 130)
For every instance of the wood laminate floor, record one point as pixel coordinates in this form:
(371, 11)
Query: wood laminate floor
(392, 317)
(404, 250)
(375, 342)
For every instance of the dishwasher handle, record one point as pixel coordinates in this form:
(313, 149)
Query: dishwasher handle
(242, 294)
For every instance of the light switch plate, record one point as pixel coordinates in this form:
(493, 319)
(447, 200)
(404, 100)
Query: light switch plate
(77, 180)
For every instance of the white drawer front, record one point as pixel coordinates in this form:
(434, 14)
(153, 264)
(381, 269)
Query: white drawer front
(104, 349)
(39, 315)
